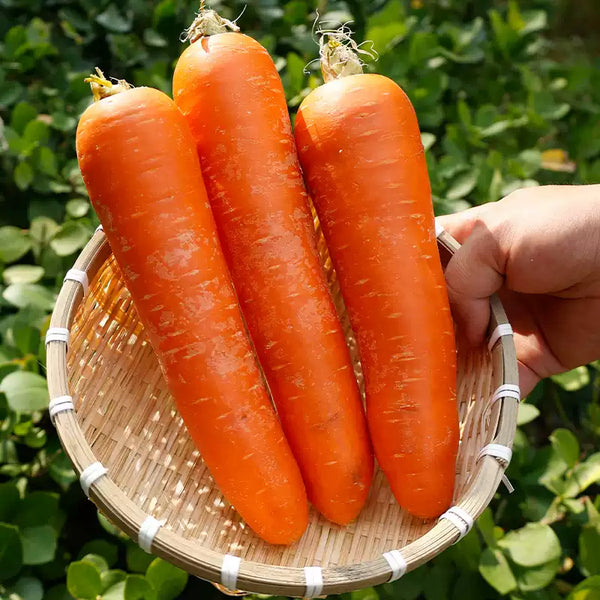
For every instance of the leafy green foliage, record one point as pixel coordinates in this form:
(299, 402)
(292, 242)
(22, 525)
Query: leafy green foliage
(504, 102)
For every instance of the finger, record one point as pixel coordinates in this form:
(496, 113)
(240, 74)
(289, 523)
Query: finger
(473, 274)
(460, 225)
(528, 379)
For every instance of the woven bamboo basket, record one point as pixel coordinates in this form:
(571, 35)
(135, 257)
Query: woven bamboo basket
(126, 440)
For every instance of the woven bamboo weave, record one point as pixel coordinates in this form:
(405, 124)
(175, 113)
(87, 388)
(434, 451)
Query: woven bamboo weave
(125, 419)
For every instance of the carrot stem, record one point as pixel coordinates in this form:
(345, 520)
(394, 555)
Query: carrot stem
(339, 55)
(102, 87)
(207, 22)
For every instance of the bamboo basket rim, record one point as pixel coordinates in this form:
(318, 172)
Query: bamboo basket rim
(252, 576)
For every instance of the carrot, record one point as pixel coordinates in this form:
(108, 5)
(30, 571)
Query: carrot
(360, 149)
(228, 88)
(142, 173)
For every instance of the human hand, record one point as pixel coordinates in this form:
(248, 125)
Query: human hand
(539, 249)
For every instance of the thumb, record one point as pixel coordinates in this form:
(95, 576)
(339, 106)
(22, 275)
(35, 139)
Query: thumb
(460, 225)
(473, 274)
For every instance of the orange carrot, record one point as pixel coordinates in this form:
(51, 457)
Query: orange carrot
(360, 149)
(229, 90)
(142, 173)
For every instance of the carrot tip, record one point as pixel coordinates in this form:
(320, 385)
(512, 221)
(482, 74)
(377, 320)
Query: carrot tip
(102, 87)
(207, 22)
(340, 54)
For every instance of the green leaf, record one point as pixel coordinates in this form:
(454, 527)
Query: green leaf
(494, 568)
(138, 588)
(533, 545)
(527, 413)
(10, 92)
(467, 552)
(534, 20)
(364, 594)
(589, 549)
(69, 238)
(8, 454)
(116, 592)
(113, 20)
(14, 243)
(566, 446)
(37, 508)
(62, 472)
(112, 578)
(77, 208)
(36, 132)
(485, 524)
(153, 38)
(9, 500)
(574, 380)
(25, 392)
(22, 274)
(544, 104)
(83, 580)
(109, 552)
(58, 592)
(295, 71)
(46, 161)
(386, 36)
(463, 185)
(62, 121)
(36, 438)
(109, 527)
(98, 561)
(138, 561)
(584, 474)
(546, 469)
(22, 114)
(167, 580)
(29, 588)
(39, 544)
(23, 175)
(586, 590)
(42, 229)
(421, 47)
(437, 585)
(26, 338)
(469, 586)
(427, 139)
(530, 161)
(535, 578)
(11, 551)
(539, 504)
(29, 294)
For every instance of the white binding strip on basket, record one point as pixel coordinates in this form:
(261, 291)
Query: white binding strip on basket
(460, 518)
(230, 568)
(500, 331)
(147, 533)
(57, 334)
(507, 390)
(90, 475)
(504, 453)
(397, 564)
(314, 581)
(80, 277)
(438, 229)
(60, 404)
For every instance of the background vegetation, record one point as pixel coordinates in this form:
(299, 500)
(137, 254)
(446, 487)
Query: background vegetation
(507, 96)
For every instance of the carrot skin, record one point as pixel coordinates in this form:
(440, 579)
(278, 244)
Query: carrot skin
(229, 90)
(360, 149)
(142, 173)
